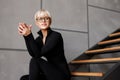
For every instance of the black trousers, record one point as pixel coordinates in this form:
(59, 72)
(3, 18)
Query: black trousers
(26, 77)
(35, 73)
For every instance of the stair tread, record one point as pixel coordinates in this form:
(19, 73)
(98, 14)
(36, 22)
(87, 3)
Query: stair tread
(97, 74)
(114, 34)
(103, 50)
(109, 41)
(96, 60)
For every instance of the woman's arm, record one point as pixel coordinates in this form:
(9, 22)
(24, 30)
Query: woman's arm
(32, 47)
(38, 51)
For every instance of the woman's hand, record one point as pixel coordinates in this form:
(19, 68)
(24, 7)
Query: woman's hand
(24, 29)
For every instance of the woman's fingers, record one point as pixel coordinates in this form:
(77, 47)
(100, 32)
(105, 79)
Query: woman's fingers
(24, 29)
(19, 29)
(29, 27)
(23, 25)
(19, 32)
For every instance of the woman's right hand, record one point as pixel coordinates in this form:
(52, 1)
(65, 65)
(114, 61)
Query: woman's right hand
(24, 29)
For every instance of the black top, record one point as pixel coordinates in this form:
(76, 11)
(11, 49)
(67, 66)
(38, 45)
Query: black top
(53, 51)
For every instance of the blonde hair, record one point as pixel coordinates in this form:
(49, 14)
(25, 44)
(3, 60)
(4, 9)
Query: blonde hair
(41, 11)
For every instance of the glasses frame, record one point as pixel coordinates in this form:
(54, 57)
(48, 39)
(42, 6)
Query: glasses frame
(41, 19)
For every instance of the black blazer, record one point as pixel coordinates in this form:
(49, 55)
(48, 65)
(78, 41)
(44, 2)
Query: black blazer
(56, 67)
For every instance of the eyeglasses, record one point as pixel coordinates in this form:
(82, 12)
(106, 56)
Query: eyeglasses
(43, 19)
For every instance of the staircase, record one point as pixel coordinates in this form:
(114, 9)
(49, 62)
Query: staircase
(105, 53)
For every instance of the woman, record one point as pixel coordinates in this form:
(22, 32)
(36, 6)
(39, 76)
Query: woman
(48, 61)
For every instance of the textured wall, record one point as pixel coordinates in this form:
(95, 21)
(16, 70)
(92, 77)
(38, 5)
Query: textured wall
(68, 14)
(104, 18)
(13, 60)
(82, 23)
(107, 4)
(13, 64)
(13, 12)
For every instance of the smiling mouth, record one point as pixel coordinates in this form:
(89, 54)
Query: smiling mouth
(44, 24)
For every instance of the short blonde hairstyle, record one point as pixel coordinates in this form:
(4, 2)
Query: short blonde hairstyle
(37, 14)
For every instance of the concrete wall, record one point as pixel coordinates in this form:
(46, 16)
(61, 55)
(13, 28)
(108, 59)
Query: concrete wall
(82, 23)
(104, 18)
(14, 59)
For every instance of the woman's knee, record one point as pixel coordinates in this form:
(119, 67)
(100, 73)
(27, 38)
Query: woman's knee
(25, 77)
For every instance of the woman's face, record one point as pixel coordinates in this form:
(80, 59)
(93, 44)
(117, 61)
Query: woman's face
(43, 21)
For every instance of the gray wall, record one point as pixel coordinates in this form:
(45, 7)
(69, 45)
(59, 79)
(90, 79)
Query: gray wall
(82, 23)
(14, 59)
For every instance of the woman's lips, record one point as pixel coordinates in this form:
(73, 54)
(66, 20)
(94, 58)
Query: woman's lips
(44, 24)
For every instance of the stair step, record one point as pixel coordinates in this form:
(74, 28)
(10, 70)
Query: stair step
(103, 50)
(96, 74)
(114, 34)
(95, 60)
(109, 41)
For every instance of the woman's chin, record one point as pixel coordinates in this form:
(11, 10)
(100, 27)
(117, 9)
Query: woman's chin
(44, 28)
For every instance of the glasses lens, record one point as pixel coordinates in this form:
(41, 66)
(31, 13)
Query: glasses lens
(43, 18)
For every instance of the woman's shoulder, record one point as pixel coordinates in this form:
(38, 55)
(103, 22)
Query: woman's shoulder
(56, 33)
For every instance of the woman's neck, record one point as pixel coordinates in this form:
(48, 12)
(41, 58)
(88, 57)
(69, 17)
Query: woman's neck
(44, 33)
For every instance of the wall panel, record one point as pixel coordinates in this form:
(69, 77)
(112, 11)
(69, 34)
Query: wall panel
(102, 23)
(68, 14)
(13, 64)
(13, 12)
(108, 4)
